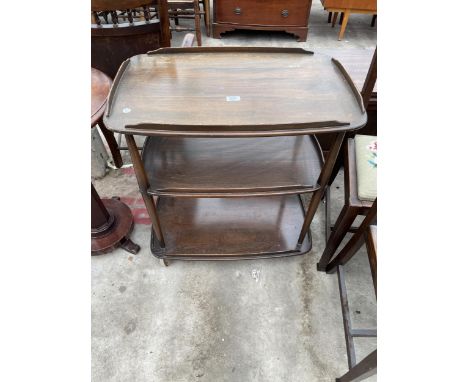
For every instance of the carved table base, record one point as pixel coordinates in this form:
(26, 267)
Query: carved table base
(111, 225)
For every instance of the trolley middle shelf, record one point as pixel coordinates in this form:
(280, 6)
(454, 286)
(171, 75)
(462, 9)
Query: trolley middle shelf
(230, 167)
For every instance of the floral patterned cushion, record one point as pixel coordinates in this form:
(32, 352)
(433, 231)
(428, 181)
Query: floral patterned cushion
(366, 166)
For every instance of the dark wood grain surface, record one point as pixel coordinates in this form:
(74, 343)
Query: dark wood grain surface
(231, 166)
(223, 91)
(226, 125)
(229, 227)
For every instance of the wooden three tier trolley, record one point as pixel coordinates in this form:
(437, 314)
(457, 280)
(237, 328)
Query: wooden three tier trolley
(231, 145)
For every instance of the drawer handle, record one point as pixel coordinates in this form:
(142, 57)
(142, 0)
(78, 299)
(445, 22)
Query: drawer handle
(237, 11)
(284, 13)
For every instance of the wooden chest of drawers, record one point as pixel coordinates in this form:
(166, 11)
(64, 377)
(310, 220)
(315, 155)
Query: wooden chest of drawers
(291, 16)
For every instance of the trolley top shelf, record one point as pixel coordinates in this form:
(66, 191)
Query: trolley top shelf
(233, 92)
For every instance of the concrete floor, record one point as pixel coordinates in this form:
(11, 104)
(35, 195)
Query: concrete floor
(273, 320)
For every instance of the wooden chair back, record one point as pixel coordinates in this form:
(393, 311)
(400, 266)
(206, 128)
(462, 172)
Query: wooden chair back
(112, 43)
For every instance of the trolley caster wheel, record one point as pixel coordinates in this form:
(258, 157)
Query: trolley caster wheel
(164, 262)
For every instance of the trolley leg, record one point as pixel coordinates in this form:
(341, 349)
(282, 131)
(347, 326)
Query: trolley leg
(322, 181)
(143, 184)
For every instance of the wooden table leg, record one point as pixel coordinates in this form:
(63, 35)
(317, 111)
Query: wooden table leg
(343, 26)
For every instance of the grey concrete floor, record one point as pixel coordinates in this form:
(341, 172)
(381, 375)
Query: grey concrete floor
(240, 321)
(257, 320)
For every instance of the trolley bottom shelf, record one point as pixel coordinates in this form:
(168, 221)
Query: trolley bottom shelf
(230, 228)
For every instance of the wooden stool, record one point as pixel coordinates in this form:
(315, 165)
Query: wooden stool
(111, 220)
(354, 206)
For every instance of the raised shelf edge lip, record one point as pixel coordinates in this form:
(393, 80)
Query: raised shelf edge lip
(237, 130)
(356, 92)
(230, 49)
(157, 253)
(230, 193)
(114, 86)
(241, 134)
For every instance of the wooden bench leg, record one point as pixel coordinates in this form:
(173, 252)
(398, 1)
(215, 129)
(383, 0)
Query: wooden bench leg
(335, 15)
(338, 164)
(329, 17)
(364, 369)
(345, 22)
(356, 242)
(372, 255)
(343, 223)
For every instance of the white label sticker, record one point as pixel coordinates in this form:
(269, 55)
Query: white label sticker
(232, 98)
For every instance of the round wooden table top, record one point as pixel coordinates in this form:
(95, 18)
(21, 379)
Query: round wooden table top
(100, 86)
